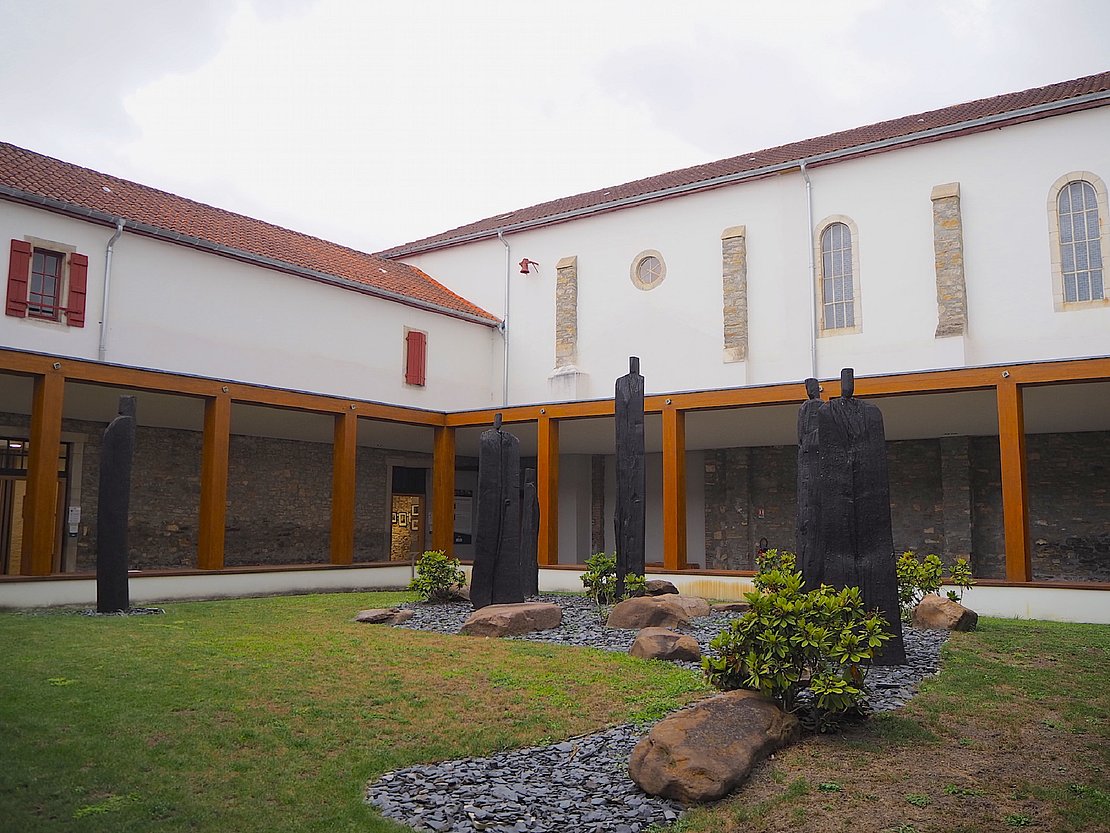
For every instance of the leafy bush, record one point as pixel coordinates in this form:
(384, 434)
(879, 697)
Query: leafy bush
(962, 578)
(600, 580)
(803, 649)
(917, 579)
(437, 577)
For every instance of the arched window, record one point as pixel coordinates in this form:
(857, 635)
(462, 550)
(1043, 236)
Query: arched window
(1080, 249)
(839, 278)
(1079, 240)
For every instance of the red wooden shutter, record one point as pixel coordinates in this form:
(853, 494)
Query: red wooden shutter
(19, 270)
(78, 279)
(416, 357)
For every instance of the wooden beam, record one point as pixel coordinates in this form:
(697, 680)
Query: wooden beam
(40, 503)
(343, 456)
(674, 489)
(547, 486)
(1015, 501)
(443, 491)
(213, 483)
(165, 382)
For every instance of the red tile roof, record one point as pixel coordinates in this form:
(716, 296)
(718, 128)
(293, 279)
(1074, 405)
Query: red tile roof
(36, 175)
(916, 130)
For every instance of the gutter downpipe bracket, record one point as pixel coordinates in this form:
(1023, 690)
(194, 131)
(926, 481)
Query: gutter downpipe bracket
(812, 273)
(505, 320)
(102, 347)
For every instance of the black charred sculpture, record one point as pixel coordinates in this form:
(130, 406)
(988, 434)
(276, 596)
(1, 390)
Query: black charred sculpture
(529, 535)
(496, 576)
(629, 516)
(116, 452)
(809, 476)
(855, 544)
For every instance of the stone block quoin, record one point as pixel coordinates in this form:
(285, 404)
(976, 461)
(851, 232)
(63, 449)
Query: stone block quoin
(948, 250)
(734, 285)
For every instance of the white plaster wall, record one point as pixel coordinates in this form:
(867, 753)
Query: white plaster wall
(676, 329)
(179, 309)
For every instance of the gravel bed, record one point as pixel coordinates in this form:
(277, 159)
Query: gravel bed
(581, 783)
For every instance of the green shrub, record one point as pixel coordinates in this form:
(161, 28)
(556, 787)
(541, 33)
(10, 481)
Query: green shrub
(600, 580)
(917, 579)
(437, 577)
(806, 650)
(962, 578)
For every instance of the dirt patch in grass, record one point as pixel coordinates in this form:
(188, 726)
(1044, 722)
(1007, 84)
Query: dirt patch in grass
(989, 745)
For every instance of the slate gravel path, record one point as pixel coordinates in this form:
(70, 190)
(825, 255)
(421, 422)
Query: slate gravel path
(581, 783)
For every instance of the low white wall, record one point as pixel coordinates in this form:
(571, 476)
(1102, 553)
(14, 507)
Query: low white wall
(153, 588)
(1051, 603)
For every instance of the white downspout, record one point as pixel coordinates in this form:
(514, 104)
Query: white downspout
(505, 319)
(812, 275)
(103, 347)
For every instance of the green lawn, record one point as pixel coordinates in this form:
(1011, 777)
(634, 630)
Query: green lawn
(271, 714)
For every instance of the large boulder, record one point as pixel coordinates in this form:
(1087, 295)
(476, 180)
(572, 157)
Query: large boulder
(938, 613)
(731, 607)
(704, 752)
(661, 643)
(383, 616)
(649, 612)
(513, 619)
(658, 587)
(694, 606)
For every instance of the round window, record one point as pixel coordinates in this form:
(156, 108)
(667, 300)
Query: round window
(648, 269)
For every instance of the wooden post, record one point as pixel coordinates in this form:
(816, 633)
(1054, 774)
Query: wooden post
(1015, 501)
(547, 484)
(40, 504)
(343, 455)
(674, 489)
(213, 483)
(443, 491)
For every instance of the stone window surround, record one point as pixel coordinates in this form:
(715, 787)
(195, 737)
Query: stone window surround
(819, 275)
(1058, 302)
(634, 270)
(66, 250)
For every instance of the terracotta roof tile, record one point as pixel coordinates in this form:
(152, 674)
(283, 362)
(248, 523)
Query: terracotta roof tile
(906, 126)
(43, 176)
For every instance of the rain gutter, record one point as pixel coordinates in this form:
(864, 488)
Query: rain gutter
(105, 218)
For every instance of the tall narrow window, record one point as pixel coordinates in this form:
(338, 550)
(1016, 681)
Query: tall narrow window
(838, 297)
(45, 288)
(1080, 242)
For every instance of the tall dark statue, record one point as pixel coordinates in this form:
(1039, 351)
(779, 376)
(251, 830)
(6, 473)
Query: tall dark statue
(629, 515)
(529, 535)
(855, 537)
(496, 575)
(116, 452)
(809, 475)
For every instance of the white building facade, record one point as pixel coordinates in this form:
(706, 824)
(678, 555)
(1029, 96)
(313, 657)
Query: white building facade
(952, 258)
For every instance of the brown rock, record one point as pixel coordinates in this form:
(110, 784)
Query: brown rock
(731, 607)
(694, 606)
(704, 752)
(661, 643)
(513, 619)
(649, 612)
(383, 616)
(460, 594)
(939, 613)
(659, 587)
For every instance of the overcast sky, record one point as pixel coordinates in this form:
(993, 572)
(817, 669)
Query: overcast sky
(375, 123)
